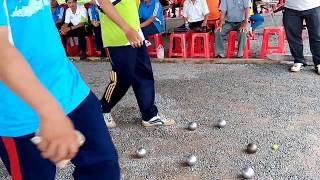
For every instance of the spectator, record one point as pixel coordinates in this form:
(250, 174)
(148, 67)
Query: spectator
(214, 14)
(58, 13)
(95, 21)
(234, 16)
(295, 11)
(256, 18)
(151, 17)
(76, 16)
(195, 13)
(176, 4)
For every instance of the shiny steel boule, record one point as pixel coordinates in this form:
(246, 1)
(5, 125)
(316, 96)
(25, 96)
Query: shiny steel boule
(247, 173)
(191, 160)
(252, 148)
(141, 152)
(221, 123)
(192, 126)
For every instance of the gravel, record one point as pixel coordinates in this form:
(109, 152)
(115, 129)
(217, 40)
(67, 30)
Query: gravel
(262, 104)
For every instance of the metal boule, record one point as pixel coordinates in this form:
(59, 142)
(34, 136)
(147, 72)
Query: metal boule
(192, 126)
(247, 173)
(191, 160)
(141, 152)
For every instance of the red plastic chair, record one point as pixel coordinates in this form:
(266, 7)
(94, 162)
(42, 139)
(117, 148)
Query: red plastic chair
(180, 48)
(72, 46)
(201, 45)
(87, 5)
(91, 50)
(156, 40)
(266, 48)
(232, 49)
(212, 22)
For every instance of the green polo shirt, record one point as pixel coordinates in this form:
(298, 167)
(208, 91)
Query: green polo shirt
(112, 34)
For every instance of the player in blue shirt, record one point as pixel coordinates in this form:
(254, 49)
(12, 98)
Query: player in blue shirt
(42, 91)
(151, 17)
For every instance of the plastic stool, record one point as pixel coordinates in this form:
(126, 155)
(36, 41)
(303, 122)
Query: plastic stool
(72, 46)
(232, 49)
(210, 23)
(265, 48)
(156, 40)
(91, 50)
(201, 45)
(180, 48)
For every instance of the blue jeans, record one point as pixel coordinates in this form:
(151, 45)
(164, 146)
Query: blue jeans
(257, 20)
(96, 159)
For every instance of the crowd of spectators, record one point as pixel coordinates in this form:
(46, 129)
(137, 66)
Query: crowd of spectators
(221, 16)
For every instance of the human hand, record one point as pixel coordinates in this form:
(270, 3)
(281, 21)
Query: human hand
(59, 140)
(95, 23)
(204, 23)
(243, 27)
(260, 3)
(134, 38)
(219, 27)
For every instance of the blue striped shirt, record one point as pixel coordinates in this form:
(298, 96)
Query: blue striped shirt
(153, 9)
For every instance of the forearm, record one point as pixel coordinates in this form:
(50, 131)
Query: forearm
(59, 21)
(206, 18)
(222, 17)
(247, 14)
(278, 9)
(111, 12)
(77, 26)
(185, 19)
(148, 21)
(17, 75)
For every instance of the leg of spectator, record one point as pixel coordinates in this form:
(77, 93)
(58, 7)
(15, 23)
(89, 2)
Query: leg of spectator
(195, 26)
(64, 42)
(149, 30)
(98, 39)
(242, 39)
(220, 37)
(81, 33)
(257, 19)
(292, 21)
(313, 24)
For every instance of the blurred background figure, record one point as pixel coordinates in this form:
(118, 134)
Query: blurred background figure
(75, 19)
(151, 17)
(96, 28)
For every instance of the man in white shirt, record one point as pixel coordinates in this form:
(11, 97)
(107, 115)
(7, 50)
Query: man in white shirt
(295, 11)
(76, 16)
(195, 12)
